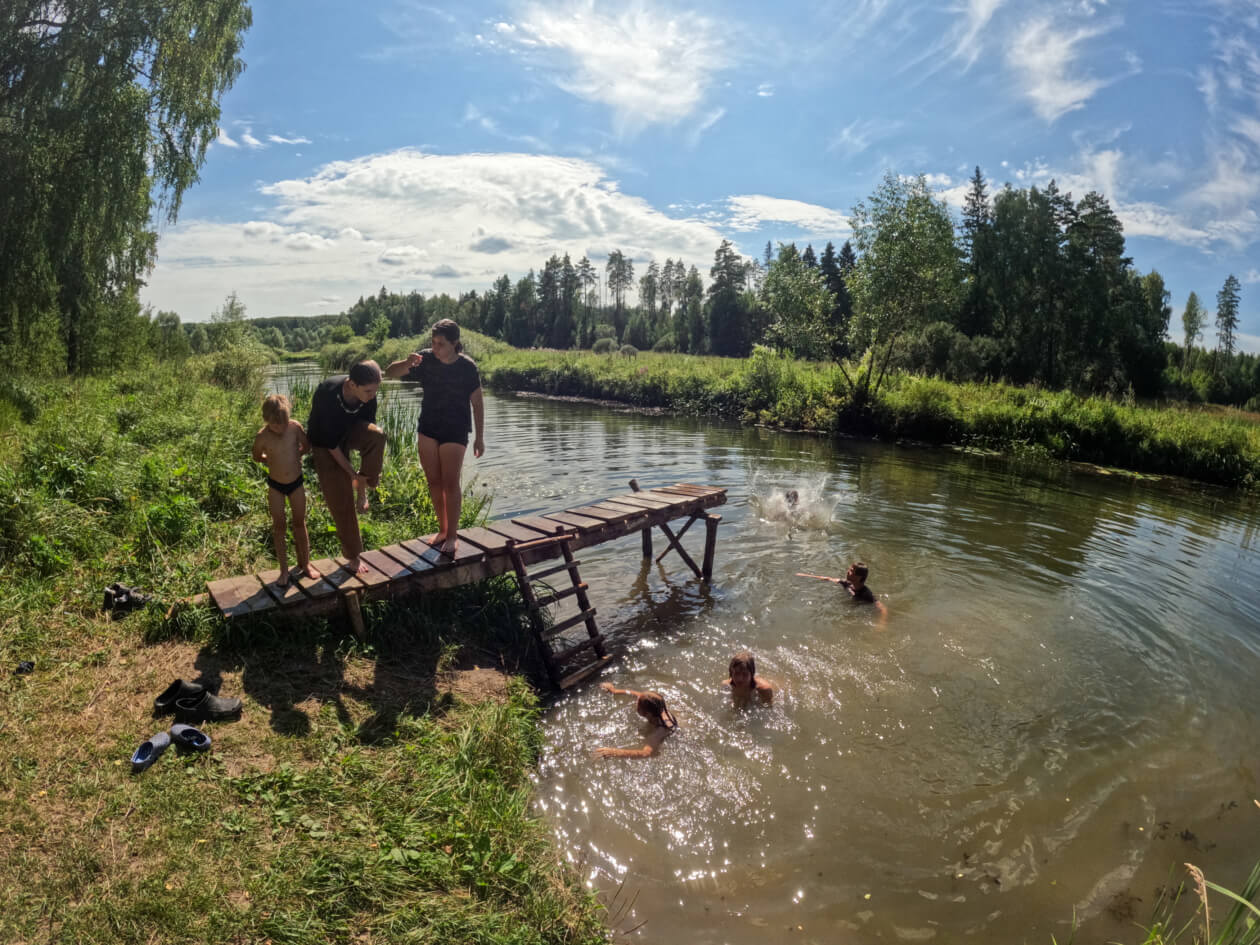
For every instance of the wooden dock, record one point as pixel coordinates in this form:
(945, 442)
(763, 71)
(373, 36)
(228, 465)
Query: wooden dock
(416, 566)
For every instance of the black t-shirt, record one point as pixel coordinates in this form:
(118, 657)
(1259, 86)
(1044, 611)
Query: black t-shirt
(863, 596)
(331, 418)
(447, 387)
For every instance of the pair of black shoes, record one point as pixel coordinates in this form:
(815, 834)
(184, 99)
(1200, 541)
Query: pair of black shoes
(120, 599)
(193, 702)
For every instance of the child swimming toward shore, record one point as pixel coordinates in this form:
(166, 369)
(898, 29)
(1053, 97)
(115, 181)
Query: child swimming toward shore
(854, 581)
(650, 705)
(279, 445)
(745, 683)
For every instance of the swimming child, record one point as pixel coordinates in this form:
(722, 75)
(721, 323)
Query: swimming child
(280, 445)
(650, 705)
(745, 683)
(854, 581)
(791, 497)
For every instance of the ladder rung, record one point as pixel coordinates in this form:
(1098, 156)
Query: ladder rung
(586, 671)
(558, 595)
(565, 654)
(566, 566)
(563, 625)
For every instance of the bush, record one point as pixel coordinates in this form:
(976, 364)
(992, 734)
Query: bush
(603, 346)
(629, 351)
(665, 343)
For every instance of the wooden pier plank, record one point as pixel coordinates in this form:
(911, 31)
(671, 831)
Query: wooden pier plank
(369, 578)
(643, 500)
(314, 588)
(517, 533)
(390, 567)
(544, 525)
(583, 523)
(337, 576)
(235, 596)
(283, 596)
(492, 542)
(407, 558)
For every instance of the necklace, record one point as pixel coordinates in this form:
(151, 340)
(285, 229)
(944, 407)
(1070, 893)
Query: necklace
(342, 400)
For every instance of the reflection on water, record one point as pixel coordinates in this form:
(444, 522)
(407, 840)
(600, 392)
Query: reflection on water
(1061, 708)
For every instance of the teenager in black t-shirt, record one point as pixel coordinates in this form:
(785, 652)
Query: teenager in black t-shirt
(451, 407)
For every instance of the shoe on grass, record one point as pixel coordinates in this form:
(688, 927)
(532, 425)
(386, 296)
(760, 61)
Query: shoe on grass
(206, 706)
(149, 752)
(165, 703)
(187, 738)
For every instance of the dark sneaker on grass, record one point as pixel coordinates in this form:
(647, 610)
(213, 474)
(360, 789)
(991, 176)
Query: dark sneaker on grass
(149, 752)
(165, 703)
(206, 706)
(187, 738)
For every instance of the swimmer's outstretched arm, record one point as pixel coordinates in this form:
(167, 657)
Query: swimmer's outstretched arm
(653, 745)
(609, 687)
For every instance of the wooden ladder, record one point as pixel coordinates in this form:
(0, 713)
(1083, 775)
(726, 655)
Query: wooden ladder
(559, 661)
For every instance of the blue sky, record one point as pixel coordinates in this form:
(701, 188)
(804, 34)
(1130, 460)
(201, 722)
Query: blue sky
(435, 147)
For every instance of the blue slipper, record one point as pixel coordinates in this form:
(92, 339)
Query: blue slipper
(188, 738)
(149, 752)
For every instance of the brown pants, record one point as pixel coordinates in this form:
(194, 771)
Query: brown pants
(338, 490)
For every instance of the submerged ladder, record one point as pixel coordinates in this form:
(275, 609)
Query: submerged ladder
(562, 664)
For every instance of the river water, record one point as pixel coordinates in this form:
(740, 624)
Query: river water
(1060, 710)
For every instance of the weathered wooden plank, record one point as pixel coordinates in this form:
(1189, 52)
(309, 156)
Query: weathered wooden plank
(369, 578)
(337, 576)
(605, 513)
(544, 525)
(240, 595)
(625, 506)
(583, 523)
(643, 500)
(390, 567)
(283, 596)
(491, 542)
(517, 533)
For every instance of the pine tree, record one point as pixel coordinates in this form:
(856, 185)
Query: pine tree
(1227, 314)
(808, 257)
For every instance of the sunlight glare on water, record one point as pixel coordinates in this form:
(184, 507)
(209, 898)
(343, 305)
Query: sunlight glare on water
(1060, 711)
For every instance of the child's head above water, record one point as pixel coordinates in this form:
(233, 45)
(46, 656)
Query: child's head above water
(651, 705)
(276, 410)
(791, 497)
(743, 670)
(858, 572)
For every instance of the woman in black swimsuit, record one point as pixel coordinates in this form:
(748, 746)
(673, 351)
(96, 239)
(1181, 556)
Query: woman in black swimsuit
(451, 386)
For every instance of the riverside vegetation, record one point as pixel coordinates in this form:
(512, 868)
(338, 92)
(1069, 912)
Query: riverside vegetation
(372, 791)
(1210, 444)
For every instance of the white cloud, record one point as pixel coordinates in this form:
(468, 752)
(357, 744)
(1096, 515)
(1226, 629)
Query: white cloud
(753, 211)
(1253, 275)
(224, 140)
(966, 39)
(648, 63)
(409, 220)
(765, 89)
(697, 132)
(248, 139)
(277, 139)
(1046, 59)
(858, 135)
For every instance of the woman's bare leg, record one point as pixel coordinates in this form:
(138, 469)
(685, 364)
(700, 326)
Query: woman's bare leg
(451, 456)
(431, 463)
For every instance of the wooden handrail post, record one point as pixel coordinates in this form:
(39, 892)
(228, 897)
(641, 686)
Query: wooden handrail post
(646, 532)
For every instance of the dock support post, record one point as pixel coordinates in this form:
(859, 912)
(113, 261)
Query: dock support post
(355, 614)
(710, 545)
(646, 532)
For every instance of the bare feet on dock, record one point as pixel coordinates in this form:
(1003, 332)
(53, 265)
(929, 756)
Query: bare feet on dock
(448, 546)
(356, 566)
(283, 579)
(311, 572)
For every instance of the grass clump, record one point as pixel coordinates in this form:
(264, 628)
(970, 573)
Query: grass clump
(373, 791)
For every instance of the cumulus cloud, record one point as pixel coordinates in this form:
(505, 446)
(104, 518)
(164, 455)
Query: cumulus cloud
(248, 139)
(412, 220)
(648, 63)
(223, 139)
(753, 211)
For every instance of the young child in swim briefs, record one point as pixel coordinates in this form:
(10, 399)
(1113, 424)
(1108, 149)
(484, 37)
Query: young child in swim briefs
(745, 683)
(279, 445)
(650, 705)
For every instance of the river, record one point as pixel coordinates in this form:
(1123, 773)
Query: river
(1060, 710)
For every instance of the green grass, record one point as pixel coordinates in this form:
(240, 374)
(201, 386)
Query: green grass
(371, 792)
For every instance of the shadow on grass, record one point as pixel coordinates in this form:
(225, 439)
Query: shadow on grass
(416, 656)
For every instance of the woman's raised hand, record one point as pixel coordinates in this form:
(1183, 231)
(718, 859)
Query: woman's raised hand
(414, 358)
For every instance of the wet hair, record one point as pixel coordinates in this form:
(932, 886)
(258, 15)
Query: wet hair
(276, 408)
(860, 569)
(450, 331)
(745, 660)
(365, 372)
(792, 497)
(654, 703)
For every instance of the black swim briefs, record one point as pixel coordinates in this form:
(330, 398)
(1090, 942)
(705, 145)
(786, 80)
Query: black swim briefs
(449, 435)
(285, 488)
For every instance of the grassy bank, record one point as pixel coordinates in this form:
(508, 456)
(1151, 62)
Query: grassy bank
(1213, 446)
(370, 792)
